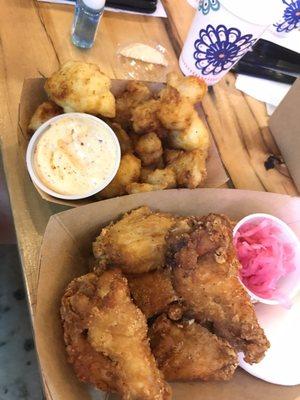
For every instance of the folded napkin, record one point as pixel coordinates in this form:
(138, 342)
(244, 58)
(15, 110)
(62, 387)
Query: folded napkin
(160, 11)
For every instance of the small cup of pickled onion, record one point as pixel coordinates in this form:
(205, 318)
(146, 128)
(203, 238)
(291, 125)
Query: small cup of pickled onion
(269, 253)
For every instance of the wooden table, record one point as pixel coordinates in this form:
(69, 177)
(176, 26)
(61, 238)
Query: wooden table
(35, 40)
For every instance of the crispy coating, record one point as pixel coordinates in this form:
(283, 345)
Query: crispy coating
(81, 87)
(189, 167)
(205, 276)
(123, 137)
(175, 111)
(43, 113)
(90, 366)
(134, 94)
(145, 120)
(187, 351)
(129, 171)
(136, 187)
(163, 177)
(152, 291)
(190, 87)
(118, 329)
(194, 136)
(149, 149)
(136, 243)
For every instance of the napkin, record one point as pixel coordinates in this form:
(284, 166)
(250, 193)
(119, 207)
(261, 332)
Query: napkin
(160, 11)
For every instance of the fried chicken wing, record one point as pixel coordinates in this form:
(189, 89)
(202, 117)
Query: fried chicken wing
(149, 149)
(43, 113)
(123, 137)
(136, 243)
(187, 351)
(191, 87)
(189, 167)
(134, 94)
(118, 329)
(81, 87)
(128, 172)
(205, 276)
(194, 136)
(152, 291)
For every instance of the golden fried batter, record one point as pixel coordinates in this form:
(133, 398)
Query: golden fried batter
(124, 139)
(137, 242)
(136, 187)
(134, 94)
(43, 113)
(163, 177)
(118, 329)
(205, 276)
(152, 291)
(189, 167)
(144, 118)
(129, 171)
(81, 87)
(191, 87)
(149, 149)
(187, 351)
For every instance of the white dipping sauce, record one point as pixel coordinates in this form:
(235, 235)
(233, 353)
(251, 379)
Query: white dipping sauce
(75, 155)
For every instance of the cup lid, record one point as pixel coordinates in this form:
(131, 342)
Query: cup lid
(260, 12)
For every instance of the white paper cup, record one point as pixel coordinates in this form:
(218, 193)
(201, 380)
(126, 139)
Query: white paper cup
(290, 18)
(37, 135)
(289, 286)
(221, 34)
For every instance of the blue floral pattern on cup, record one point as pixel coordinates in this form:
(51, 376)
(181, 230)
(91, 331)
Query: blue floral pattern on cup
(218, 49)
(206, 5)
(291, 17)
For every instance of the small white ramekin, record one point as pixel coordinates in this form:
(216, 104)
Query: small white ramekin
(289, 286)
(37, 135)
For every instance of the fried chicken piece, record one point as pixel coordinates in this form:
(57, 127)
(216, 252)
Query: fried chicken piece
(90, 366)
(123, 137)
(137, 242)
(149, 149)
(128, 172)
(163, 177)
(194, 136)
(145, 119)
(135, 187)
(118, 329)
(191, 87)
(187, 352)
(175, 111)
(152, 291)
(189, 167)
(205, 276)
(134, 94)
(81, 87)
(42, 114)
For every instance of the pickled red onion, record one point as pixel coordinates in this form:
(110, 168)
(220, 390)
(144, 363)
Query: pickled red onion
(266, 256)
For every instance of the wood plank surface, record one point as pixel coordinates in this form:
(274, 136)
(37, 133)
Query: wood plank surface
(35, 40)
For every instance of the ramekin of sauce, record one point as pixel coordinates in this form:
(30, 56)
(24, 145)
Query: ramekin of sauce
(269, 254)
(73, 156)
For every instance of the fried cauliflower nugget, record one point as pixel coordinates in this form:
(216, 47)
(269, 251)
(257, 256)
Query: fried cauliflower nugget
(136, 243)
(129, 171)
(43, 113)
(81, 87)
(175, 111)
(191, 87)
(189, 167)
(194, 136)
(149, 148)
(123, 137)
(118, 329)
(163, 177)
(134, 94)
(187, 351)
(206, 277)
(145, 119)
(136, 187)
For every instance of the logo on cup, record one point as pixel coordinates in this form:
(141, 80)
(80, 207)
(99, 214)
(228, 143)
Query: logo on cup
(291, 17)
(218, 49)
(206, 5)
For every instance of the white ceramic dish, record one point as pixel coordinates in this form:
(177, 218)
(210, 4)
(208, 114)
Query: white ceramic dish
(289, 285)
(37, 135)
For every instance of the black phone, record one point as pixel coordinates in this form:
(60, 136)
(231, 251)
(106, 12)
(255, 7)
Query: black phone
(145, 6)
